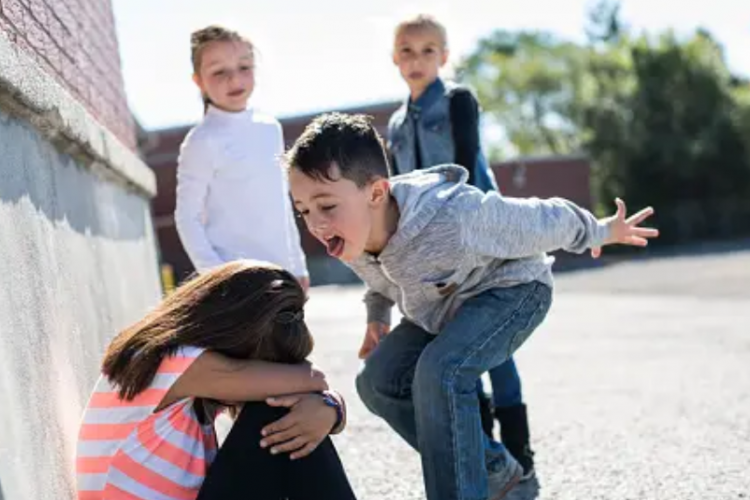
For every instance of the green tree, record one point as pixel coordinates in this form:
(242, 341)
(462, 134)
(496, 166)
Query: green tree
(673, 135)
(529, 83)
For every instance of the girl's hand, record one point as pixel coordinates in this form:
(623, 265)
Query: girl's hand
(300, 431)
(627, 231)
(375, 332)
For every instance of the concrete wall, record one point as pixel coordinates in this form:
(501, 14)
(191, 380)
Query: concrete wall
(78, 262)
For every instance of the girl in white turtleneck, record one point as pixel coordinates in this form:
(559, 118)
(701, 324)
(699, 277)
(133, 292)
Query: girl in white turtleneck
(232, 194)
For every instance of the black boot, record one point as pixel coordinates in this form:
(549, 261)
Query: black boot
(485, 411)
(514, 433)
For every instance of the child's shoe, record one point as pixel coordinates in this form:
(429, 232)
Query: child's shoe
(500, 483)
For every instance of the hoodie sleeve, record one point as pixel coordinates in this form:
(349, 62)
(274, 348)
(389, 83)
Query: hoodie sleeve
(378, 307)
(513, 228)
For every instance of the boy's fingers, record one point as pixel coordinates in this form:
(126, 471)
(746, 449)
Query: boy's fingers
(621, 209)
(637, 241)
(645, 232)
(364, 348)
(596, 252)
(639, 217)
(365, 351)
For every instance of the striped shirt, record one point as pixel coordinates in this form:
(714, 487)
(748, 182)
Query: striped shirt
(128, 452)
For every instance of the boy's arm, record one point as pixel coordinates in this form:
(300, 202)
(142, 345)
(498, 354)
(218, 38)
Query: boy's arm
(464, 115)
(378, 307)
(513, 228)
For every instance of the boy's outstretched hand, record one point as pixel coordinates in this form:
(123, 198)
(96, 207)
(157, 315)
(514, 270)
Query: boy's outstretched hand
(627, 231)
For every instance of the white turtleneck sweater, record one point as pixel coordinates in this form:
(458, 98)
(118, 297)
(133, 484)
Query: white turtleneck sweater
(232, 194)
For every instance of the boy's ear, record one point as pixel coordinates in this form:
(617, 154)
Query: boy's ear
(380, 191)
(394, 56)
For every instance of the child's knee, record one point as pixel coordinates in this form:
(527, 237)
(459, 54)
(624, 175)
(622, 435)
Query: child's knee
(375, 380)
(363, 385)
(442, 375)
(370, 381)
(258, 413)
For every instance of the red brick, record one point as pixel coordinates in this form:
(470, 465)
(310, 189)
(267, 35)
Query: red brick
(16, 13)
(68, 70)
(24, 46)
(76, 43)
(64, 13)
(43, 44)
(40, 11)
(58, 33)
(7, 28)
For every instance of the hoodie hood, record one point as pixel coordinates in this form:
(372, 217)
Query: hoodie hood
(421, 194)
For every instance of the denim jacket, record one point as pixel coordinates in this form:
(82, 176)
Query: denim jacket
(430, 116)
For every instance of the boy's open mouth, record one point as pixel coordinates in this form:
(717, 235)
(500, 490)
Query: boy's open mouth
(335, 246)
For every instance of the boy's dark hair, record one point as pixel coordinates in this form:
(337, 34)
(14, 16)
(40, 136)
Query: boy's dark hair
(349, 141)
(243, 310)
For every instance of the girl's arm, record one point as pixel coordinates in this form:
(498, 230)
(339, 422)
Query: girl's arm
(215, 376)
(195, 171)
(464, 115)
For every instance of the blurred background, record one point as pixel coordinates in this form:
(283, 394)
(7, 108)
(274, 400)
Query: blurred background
(582, 99)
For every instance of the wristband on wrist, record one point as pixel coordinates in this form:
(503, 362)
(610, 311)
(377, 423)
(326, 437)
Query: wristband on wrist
(331, 401)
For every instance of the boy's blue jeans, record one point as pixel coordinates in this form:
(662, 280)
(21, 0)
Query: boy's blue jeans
(424, 385)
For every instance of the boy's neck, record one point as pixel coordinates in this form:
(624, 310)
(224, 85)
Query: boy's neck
(384, 227)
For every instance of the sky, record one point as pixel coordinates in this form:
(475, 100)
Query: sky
(334, 53)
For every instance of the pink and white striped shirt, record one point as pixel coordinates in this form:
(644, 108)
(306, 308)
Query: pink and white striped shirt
(128, 452)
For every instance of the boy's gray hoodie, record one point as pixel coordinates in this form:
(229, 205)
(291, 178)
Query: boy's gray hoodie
(454, 242)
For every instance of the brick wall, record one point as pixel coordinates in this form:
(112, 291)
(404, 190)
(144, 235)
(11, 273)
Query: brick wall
(75, 41)
(546, 177)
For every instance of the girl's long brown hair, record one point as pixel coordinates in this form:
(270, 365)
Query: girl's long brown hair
(244, 310)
